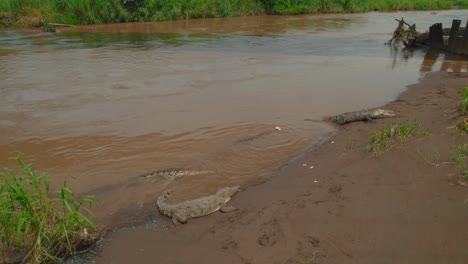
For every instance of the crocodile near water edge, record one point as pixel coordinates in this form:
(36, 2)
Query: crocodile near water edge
(171, 174)
(364, 115)
(202, 206)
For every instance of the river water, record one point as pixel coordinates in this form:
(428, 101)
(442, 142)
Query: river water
(101, 105)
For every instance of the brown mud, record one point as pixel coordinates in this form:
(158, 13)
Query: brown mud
(351, 207)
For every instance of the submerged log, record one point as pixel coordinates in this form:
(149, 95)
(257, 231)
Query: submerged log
(465, 32)
(436, 35)
(454, 39)
(465, 38)
(453, 35)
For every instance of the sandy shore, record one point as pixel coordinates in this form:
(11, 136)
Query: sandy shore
(351, 207)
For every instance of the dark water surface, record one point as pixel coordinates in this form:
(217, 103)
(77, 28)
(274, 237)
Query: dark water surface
(104, 104)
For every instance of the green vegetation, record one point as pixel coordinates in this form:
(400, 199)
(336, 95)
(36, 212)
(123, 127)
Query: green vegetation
(463, 122)
(461, 3)
(36, 12)
(381, 141)
(460, 153)
(36, 226)
(460, 157)
(350, 6)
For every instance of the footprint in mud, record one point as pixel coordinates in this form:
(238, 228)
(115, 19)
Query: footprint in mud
(271, 234)
(301, 203)
(235, 216)
(336, 194)
(315, 242)
(307, 193)
(266, 241)
(336, 190)
(308, 244)
(229, 245)
(308, 251)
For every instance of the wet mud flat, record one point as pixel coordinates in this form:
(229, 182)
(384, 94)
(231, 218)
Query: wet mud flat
(351, 207)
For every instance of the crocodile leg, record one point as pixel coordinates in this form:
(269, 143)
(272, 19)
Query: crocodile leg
(174, 220)
(226, 208)
(179, 217)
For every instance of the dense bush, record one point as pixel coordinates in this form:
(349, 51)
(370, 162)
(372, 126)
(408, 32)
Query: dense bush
(107, 11)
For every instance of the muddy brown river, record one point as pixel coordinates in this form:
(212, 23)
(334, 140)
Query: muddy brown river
(103, 105)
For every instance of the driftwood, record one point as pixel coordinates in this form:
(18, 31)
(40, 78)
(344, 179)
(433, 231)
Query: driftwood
(454, 39)
(407, 34)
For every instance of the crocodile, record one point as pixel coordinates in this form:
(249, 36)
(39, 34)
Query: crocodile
(198, 207)
(364, 115)
(253, 137)
(258, 135)
(169, 175)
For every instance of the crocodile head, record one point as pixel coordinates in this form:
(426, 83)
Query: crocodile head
(227, 192)
(378, 113)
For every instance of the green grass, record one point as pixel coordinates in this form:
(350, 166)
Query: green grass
(462, 3)
(460, 157)
(114, 11)
(462, 123)
(459, 154)
(39, 226)
(382, 140)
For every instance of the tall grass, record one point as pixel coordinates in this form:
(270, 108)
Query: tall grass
(462, 3)
(460, 157)
(462, 123)
(37, 226)
(107, 11)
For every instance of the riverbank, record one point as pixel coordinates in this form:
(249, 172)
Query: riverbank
(338, 203)
(26, 13)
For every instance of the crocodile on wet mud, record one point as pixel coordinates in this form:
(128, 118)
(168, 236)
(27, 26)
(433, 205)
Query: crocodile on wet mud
(206, 205)
(365, 115)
